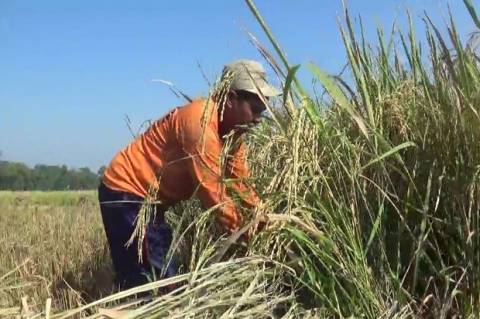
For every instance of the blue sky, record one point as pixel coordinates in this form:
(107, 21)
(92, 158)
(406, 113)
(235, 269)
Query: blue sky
(72, 70)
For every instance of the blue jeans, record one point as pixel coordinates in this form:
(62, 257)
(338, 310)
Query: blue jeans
(119, 210)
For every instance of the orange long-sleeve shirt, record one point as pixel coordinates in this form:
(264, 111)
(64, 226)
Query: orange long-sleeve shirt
(179, 155)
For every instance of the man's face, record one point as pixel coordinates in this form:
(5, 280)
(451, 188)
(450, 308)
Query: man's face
(243, 109)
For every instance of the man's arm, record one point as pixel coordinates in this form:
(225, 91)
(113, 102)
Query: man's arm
(238, 170)
(203, 162)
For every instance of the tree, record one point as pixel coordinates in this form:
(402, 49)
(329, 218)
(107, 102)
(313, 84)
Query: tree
(18, 176)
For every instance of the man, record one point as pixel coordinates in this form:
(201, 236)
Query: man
(177, 157)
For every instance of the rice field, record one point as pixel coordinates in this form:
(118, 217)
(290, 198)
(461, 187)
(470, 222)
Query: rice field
(371, 190)
(52, 246)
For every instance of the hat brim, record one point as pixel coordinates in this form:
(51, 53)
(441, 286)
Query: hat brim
(267, 91)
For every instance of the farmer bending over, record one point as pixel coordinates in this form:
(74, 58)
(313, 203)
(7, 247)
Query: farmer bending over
(179, 156)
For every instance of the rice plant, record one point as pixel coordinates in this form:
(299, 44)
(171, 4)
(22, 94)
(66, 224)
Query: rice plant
(387, 170)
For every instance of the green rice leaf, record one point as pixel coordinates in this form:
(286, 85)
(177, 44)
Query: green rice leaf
(391, 152)
(338, 96)
(288, 82)
(472, 11)
(375, 228)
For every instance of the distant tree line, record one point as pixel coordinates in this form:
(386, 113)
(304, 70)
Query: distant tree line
(18, 176)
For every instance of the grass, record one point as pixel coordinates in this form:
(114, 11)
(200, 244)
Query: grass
(372, 190)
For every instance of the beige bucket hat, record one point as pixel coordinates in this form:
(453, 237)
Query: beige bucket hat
(248, 75)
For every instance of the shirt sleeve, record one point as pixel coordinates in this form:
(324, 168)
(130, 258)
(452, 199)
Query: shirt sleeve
(238, 170)
(203, 150)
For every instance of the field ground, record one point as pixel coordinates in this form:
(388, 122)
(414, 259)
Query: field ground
(52, 245)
